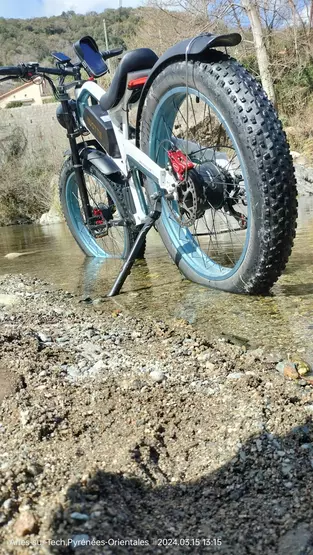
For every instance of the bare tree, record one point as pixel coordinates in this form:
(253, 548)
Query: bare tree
(260, 46)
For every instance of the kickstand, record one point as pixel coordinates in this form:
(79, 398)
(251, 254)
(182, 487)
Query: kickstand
(128, 264)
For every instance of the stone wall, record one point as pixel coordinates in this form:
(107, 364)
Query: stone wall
(38, 127)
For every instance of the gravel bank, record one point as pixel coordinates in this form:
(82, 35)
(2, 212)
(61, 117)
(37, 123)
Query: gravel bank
(111, 427)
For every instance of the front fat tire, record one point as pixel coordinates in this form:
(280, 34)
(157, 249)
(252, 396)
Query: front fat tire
(114, 187)
(265, 152)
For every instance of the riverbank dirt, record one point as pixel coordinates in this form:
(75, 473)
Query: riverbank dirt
(125, 436)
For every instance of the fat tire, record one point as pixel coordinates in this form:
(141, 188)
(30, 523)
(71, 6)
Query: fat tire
(265, 151)
(115, 185)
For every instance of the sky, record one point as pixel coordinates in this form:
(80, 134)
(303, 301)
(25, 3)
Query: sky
(39, 8)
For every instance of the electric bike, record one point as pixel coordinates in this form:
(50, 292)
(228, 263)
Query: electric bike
(187, 143)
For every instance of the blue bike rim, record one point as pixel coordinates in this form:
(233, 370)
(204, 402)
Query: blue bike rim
(96, 247)
(186, 245)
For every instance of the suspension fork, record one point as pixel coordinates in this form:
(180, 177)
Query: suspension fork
(77, 163)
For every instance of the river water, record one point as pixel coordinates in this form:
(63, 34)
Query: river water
(282, 322)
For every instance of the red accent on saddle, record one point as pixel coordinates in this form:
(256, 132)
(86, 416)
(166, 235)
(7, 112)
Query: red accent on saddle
(180, 163)
(135, 83)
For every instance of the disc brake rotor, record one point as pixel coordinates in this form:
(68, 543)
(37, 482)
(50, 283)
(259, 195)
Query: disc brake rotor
(187, 203)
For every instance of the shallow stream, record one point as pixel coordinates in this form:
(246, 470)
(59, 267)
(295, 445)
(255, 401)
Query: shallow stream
(281, 322)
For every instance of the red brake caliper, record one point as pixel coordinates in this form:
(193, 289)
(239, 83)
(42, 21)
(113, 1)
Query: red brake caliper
(180, 163)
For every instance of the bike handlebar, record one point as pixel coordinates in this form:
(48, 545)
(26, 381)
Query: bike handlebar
(31, 70)
(11, 70)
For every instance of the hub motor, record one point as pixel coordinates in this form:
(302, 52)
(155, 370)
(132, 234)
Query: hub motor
(201, 187)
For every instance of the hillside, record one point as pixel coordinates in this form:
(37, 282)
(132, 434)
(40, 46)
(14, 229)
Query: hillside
(34, 39)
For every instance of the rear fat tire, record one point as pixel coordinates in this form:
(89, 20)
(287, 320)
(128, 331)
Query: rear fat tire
(265, 152)
(114, 186)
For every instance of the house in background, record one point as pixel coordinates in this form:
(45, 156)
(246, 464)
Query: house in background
(29, 94)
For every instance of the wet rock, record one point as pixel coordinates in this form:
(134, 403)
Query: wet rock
(79, 516)
(304, 177)
(157, 376)
(25, 524)
(12, 255)
(51, 217)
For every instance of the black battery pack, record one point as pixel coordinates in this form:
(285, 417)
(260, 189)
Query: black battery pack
(98, 122)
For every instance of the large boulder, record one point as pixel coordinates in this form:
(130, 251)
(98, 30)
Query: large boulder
(304, 177)
(51, 217)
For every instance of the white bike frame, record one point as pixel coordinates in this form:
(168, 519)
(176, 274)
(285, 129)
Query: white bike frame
(130, 154)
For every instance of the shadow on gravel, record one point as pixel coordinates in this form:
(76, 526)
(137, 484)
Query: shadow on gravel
(260, 502)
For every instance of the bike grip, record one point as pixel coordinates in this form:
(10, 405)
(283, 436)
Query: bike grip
(111, 53)
(15, 71)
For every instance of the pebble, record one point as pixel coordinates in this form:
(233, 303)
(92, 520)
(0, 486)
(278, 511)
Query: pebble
(79, 516)
(9, 300)
(235, 375)
(205, 356)
(157, 376)
(25, 524)
(7, 505)
(95, 514)
(259, 445)
(97, 367)
(286, 469)
(288, 369)
(302, 367)
(73, 371)
(97, 301)
(209, 366)
(62, 339)
(43, 337)
(24, 416)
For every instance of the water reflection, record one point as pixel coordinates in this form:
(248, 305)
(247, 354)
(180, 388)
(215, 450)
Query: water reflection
(282, 321)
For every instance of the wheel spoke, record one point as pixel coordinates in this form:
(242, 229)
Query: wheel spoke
(214, 238)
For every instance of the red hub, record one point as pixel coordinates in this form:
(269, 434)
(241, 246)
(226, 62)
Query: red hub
(180, 163)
